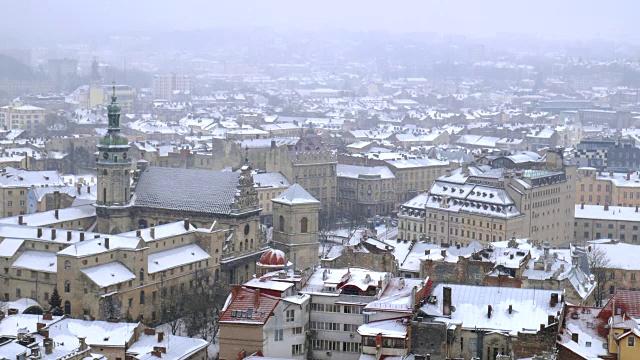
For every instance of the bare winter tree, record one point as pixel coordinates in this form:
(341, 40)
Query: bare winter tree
(111, 308)
(600, 267)
(171, 307)
(203, 304)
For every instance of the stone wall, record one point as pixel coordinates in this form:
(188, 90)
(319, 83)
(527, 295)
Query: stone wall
(377, 262)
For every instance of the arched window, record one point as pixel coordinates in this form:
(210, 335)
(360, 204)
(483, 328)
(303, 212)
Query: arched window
(142, 224)
(67, 308)
(246, 244)
(141, 274)
(281, 224)
(142, 297)
(67, 286)
(304, 224)
(251, 243)
(67, 265)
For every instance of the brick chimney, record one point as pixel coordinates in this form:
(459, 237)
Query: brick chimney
(53, 234)
(20, 220)
(553, 301)
(40, 326)
(446, 301)
(47, 316)
(443, 253)
(160, 336)
(574, 337)
(43, 332)
(149, 331)
(106, 243)
(186, 224)
(156, 353)
(234, 290)
(138, 233)
(256, 302)
(81, 236)
(606, 206)
(48, 346)
(152, 232)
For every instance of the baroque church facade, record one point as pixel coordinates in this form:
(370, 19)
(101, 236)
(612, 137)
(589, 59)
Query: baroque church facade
(158, 195)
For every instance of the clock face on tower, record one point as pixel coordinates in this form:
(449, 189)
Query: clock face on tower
(105, 155)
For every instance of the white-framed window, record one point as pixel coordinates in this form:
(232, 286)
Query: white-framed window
(279, 335)
(297, 349)
(290, 315)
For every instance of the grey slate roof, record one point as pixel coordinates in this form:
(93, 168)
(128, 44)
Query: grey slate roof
(203, 191)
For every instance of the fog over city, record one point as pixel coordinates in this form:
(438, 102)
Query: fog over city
(319, 180)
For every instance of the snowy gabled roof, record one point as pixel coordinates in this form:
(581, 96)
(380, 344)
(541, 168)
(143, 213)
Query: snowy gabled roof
(43, 261)
(108, 274)
(270, 180)
(46, 218)
(162, 231)
(177, 347)
(395, 328)
(530, 307)
(354, 171)
(8, 247)
(294, 195)
(98, 245)
(172, 258)
(10, 325)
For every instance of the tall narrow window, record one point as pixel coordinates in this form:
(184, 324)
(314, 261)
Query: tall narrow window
(104, 195)
(304, 223)
(281, 224)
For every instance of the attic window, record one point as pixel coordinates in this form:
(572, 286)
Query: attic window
(588, 344)
(589, 325)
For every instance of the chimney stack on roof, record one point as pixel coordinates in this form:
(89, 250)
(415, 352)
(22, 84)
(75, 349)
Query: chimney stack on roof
(256, 302)
(554, 299)
(574, 337)
(446, 301)
(606, 206)
(39, 232)
(106, 243)
(582, 205)
(160, 336)
(152, 232)
(20, 220)
(489, 310)
(186, 224)
(69, 234)
(56, 214)
(81, 236)
(53, 234)
(510, 309)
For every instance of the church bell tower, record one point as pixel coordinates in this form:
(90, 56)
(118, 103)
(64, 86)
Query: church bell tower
(114, 175)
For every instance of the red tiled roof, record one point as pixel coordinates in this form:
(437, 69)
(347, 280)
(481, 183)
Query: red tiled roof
(628, 300)
(243, 310)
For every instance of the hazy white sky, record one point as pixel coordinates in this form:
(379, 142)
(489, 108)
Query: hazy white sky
(550, 19)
